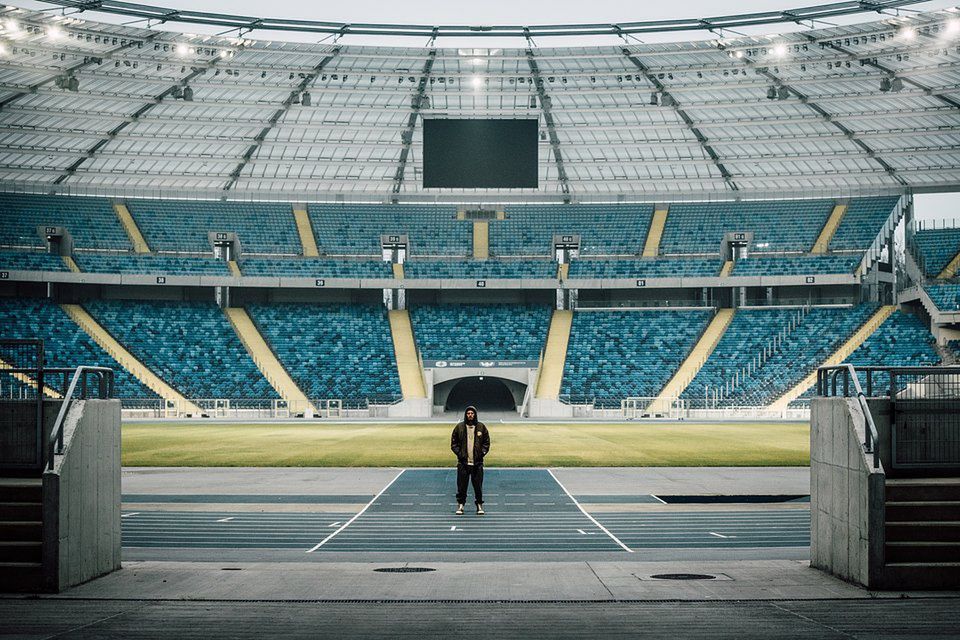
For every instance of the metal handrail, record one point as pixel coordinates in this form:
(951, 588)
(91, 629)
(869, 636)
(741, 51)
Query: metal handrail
(105, 390)
(828, 375)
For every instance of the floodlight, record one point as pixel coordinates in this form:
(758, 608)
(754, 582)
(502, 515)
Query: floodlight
(12, 25)
(476, 82)
(182, 49)
(54, 32)
(908, 33)
(780, 50)
(952, 27)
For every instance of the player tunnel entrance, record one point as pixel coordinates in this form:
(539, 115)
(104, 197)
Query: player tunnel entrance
(486, 393)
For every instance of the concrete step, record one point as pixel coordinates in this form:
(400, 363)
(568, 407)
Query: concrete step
(931, 531)
(20, 551)
(22, 531)
(21, 490)
(921, 575)
(19, 577)
(923, 490)
(20, 511)
(922, 552)
(923, 511)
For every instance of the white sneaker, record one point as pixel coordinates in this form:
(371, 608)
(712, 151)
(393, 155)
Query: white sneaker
(480, 511)
(459, 509)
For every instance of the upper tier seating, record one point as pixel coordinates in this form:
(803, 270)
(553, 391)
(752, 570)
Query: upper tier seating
(822, 331)
(480, 269)
(790, 265)
(91, 221)
(30, 261)
(65, 344)
(190, 345)
(937, 247)
(332, 351)
(355, 229)
(788, 225)
(748, 333)
(862, 222)
(617, 354)
(946, 296)
(646, 268)
(151, 264)
(528, 230)
(182, 225)
(480, 331)
(315, 268)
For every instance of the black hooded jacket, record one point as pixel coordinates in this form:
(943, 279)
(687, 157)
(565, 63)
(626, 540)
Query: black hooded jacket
(481, 439)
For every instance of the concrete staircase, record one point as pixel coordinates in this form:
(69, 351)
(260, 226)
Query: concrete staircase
(693, 362)
(838, 356)
(21, 529)
(651, 248)
(922, 532)
(481, 239)
(266, 361)
(398, 271)
(405, 350)
(554, 355)
(726, 269)
(130, 226)
(307, 240)
(234, 268)
(127, 360)
(950, 270)
(563, 271)
(822, 242)
(70, 263)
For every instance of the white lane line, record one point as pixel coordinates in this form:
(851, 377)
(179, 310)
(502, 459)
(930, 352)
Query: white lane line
(584, 512)
(333, 524)
(357, 515)
(720, 535)
(127, 515)
(657, 498)
(587, 533)
(224, 519)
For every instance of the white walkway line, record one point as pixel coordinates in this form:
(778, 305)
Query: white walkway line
(584, 512)
(658, 499)
(358, 514)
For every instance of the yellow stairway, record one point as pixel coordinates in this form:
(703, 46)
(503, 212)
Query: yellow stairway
(305, 229)
(726, 268)
(234, 268)
(130, 226)
(950, 270)
(829, 228)
(652, 246)
(30, 382)
(481, 239)
(838, 356)
(126, 359)
(70, 263)
(405, 350)
(693, 362)
(563, 271)
(266, 361)
(398, 271)
(554, 355)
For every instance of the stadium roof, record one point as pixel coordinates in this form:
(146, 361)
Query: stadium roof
(87, 107)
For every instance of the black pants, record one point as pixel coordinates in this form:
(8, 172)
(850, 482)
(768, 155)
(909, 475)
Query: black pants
(475, 473)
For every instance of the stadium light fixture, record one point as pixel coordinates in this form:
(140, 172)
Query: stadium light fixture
(908, 33)
(780, 50)
(12, 25)
(476, 82)
(182, 49)
(952, 27)
(54, 32)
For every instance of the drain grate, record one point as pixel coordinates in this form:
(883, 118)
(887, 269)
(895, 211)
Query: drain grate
(683, 576)
(404, 569)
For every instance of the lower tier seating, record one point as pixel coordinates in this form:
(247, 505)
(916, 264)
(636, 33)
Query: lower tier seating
(482, 331)
(150, 264)
(653, 268)
(65, 344)
(794, 265)
(332, 351)
(30, 261)
(190, 345)
(480, 269)
(616, 354)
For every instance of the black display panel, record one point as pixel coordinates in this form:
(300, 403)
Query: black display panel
(480, 154)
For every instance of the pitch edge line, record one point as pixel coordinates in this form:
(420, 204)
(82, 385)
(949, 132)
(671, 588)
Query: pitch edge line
(358, 514)
(584, 511)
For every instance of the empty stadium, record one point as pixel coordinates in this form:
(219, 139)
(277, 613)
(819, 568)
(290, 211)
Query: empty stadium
(698, 276)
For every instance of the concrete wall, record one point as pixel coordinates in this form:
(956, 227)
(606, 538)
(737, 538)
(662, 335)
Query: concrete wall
(846, 494)
(81, 498)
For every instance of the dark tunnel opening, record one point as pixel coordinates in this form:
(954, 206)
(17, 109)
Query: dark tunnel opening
(486, 394)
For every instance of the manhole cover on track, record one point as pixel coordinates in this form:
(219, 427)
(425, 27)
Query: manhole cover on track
(683, 576)
(404, 569)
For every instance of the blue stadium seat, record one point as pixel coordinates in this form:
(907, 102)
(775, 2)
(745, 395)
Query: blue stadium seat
(480, 269)
(30, 261)
(146, 263)
(946, 296)
(481, 331)
(190, 345)
(182, 225)
(91, 221)
(65, 344)
(937, 247)
(528, 230)
(355, 229)
(315, 268)
(790, 265)
(333, 351)
(617, 354)
(645, 268)
(862, 222)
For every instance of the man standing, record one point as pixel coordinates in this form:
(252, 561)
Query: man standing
(470, 442)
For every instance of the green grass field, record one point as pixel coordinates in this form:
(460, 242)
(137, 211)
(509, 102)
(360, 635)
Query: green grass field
(428, 445)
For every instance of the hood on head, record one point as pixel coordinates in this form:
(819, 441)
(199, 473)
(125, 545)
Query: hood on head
(476, 415)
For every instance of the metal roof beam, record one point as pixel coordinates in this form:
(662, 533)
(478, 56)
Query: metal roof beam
(406, 138)
(545, 107)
